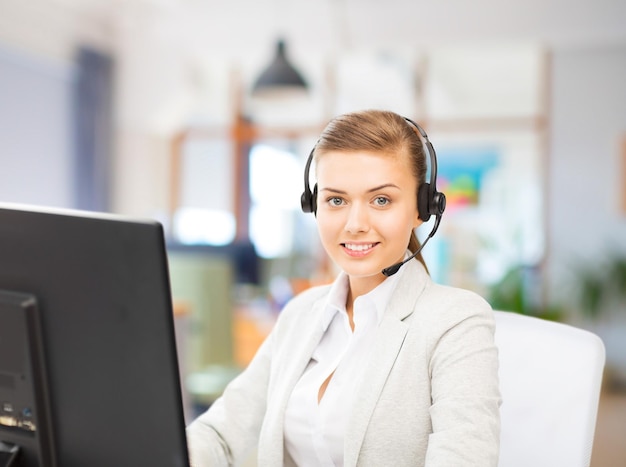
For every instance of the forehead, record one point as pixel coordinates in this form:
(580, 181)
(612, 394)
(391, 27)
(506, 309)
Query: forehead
(344, 166)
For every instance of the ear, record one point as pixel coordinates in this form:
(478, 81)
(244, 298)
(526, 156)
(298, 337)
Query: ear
(417, 221)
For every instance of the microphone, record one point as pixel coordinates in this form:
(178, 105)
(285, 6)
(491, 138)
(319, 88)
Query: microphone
(391, 270)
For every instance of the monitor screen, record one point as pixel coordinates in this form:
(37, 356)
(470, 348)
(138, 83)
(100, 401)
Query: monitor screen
(89, 372)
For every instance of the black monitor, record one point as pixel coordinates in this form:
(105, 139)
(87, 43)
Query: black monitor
(88, 366)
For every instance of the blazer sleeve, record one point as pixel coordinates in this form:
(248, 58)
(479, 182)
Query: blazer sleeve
(464, 387)
(228, 431)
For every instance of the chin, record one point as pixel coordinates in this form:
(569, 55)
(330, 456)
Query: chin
(360, 270)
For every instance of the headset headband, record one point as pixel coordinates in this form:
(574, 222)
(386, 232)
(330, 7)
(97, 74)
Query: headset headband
(429, 200)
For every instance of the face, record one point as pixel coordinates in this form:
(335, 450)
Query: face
(366, 211)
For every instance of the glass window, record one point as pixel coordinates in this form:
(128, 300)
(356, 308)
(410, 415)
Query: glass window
(275, 187)
(206, 212)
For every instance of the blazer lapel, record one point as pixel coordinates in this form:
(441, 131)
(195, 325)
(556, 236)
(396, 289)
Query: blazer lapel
(300, 348)
(387, 345)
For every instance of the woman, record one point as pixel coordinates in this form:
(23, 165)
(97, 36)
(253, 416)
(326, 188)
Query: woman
(377, 369)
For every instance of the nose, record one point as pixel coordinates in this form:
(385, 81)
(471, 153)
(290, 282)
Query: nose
(358, 219)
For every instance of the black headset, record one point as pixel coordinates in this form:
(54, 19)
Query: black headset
(430, 202)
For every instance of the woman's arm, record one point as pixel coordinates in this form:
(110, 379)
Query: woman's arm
(465, 391)
(227, 433)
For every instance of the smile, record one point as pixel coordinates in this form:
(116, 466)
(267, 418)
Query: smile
(359, 248)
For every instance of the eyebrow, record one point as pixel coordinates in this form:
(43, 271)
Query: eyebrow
(371, 190)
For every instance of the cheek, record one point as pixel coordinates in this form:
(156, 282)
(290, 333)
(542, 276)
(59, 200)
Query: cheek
(416, 220)
(326, 227)
(400, 231)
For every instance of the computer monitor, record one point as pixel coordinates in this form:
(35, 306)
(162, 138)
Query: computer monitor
(88, 366)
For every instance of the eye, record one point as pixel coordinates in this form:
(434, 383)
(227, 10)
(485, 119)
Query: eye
(381, 201)
(334, 201)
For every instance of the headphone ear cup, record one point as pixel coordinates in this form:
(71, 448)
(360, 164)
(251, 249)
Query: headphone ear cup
(423, 201)
(308, 200)
(439, 203)
(314, 200)
(305, 201)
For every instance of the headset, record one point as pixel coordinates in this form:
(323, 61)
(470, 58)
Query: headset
(430, 202)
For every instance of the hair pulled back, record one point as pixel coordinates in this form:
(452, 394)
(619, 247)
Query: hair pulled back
(378, 131)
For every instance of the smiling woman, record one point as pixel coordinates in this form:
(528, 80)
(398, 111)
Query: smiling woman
(382, 367)
(365, 225)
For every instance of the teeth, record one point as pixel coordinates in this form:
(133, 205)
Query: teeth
(358, 247)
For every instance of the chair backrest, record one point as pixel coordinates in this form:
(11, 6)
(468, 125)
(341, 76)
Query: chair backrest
(550, 380)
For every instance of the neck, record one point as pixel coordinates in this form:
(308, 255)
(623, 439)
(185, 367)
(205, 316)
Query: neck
(359, 286)
(350, 310)
(363, 285)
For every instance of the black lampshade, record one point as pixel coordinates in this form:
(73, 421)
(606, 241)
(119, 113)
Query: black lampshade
(279, 74)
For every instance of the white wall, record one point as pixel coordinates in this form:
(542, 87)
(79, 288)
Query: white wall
(161, 48)
(36, 160)
(38, 41)
(587, 178)
(588, 123)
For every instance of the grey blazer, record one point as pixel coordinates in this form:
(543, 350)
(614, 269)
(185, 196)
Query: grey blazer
(429, 397)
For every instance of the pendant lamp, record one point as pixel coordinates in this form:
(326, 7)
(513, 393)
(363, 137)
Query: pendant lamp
(279, 75)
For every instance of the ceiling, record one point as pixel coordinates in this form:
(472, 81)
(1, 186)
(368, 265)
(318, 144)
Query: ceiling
(240, 30)
(350, 23)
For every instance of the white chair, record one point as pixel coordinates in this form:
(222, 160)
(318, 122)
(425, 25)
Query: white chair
(550, 380)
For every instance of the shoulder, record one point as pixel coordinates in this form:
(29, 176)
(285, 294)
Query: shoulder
(453, 324)
(306, 299)
(456, 300)
(418, 294)
(447, 306)
(303, 306)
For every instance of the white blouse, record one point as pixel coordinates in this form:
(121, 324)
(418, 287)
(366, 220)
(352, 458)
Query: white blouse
(314, 432)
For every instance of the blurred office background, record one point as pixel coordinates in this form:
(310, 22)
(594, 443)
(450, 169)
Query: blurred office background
(155, 108)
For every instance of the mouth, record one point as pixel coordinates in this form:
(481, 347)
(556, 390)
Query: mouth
(358, 249)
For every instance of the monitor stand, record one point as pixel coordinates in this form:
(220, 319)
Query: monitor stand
(8, 454)
(25, 425)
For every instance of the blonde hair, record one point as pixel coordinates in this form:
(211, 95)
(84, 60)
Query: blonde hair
(377, 131)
